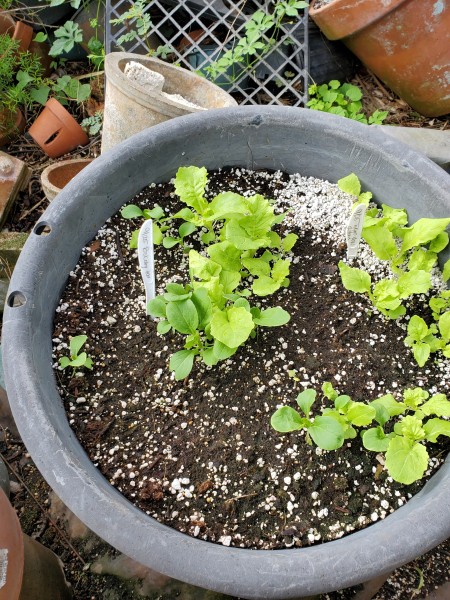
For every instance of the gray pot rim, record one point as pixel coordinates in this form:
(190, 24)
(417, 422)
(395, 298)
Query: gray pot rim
(254, 574)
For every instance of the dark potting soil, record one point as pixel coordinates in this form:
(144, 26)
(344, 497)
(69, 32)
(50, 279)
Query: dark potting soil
(200, 455)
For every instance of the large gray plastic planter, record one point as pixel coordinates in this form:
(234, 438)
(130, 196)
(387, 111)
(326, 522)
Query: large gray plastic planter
(291, 139)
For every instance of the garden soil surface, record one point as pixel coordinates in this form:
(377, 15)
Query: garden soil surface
(200, 455)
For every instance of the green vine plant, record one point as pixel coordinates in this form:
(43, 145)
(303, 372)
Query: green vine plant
(242, 256)
(406, 456)
(261, 34)
(76, 360)
(343, 100)
(411, 253)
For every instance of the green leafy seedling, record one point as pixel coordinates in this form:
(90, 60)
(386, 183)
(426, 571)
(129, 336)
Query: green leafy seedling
(75, 359)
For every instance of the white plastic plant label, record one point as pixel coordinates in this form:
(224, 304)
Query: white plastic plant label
(146, 259)
(3, 566)
(354, 229)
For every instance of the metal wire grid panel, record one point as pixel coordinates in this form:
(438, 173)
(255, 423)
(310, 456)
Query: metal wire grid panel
(195, 33)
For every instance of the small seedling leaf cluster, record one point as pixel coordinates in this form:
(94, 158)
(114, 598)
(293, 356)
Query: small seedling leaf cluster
(412, 253)
(76, 360)
(406, 456)
(241, 257)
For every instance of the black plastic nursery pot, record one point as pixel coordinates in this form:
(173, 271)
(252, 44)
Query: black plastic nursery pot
(290, 139)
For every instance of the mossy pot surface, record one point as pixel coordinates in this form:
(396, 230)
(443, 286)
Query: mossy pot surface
(290, 139)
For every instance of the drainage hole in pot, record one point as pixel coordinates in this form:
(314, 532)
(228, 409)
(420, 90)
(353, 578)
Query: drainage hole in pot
(16, 299)
(52, 137)
(42, 228)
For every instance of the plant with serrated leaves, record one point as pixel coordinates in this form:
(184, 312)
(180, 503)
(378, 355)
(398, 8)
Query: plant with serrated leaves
(406, 454)
(66, 37)
(93, 125)
(214, 326)
(412, 253)
(261, 32)
(212, 310)
(76, 360)
(343, 100)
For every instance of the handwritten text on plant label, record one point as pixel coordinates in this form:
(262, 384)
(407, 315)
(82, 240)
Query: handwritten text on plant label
(353, 230)
(146, 259)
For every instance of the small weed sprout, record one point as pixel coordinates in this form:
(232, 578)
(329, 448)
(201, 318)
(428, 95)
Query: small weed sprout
(76, 360)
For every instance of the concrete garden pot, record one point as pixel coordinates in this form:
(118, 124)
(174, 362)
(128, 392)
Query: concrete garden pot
(56, 176)
(406, 43)
(291, 139)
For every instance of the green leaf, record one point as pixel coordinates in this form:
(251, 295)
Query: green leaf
(446, 271)
(208, 356)
(222, 352)
(232, 326)
(417, 328)
(422, 260)
(203, 305)
(154, 213)
(256, 266)
(190, 184)
(40, 94)
(327, 433)
(264, 286)
(381, 241)
(360, 414)
(157, 307)
(41, 36)
(388, 402)
(374, 439)
(421, 352)
(386, 294)
(306, 399)
(423, 231)
(226, 255)
(182, 316)
(134, 239)
(437, 405)
(76, 343)
(157, 234)
(229, 280)
(163, 327)
(272, 317)
(341, 402)
(280, 269)
(435, 427)
(410, 427)
(64, 362)
(181, 363)
(414, 397)
(131, 212)
(406, 460)
(202, 267)
(240, 238)
(350, 184)
(170, 242)
(354, 279)
(286, 419)
(289, 242)
(186, 229)
(227, 204)
(329, 391)
(414, 282)
(79, 361)
(439, 242)
(444, 325)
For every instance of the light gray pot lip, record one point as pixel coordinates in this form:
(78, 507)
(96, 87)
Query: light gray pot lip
(250, 574)
(148, 99)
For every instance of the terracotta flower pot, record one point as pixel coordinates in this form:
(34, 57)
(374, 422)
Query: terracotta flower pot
(24, 34)
(56, 131)
(10, 125)
(406, 43)
(57, 175)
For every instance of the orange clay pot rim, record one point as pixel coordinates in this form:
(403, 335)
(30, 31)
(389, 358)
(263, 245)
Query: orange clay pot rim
(341, 18)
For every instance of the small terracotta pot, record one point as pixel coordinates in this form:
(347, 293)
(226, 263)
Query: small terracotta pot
(406, 43)
(19, 31)
(10, 126)
(56, 131)
(57, 175)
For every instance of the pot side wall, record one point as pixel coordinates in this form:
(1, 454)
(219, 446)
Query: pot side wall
(294, 140)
